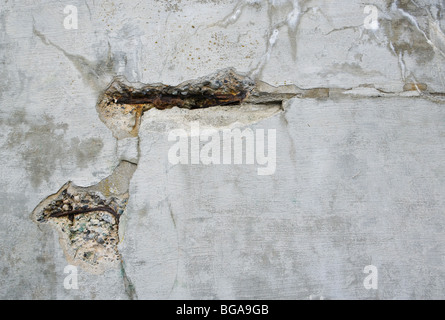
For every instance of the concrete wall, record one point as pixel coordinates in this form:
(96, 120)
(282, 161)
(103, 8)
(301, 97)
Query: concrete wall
(359, 176)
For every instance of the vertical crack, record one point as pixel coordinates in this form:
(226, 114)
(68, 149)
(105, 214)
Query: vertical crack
(129, 287)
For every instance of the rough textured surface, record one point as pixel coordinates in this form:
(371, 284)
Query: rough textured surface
(87, 219)
(122, 104)
(359, 174)
(358, 183)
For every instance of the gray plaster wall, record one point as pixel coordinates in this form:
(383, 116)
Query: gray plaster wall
(359, 176)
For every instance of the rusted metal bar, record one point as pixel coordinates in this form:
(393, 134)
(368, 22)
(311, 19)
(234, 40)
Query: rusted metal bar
(190, 100)
(86, 210)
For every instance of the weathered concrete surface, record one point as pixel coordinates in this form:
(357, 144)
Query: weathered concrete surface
(357, 183)
(359, 177)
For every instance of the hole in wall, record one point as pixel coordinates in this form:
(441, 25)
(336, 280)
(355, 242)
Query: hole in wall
(87, 219)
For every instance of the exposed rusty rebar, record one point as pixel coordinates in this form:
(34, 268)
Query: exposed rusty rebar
(86, 210)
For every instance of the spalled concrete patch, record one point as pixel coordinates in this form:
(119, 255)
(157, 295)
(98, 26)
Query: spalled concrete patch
(87, 219)
(359, 175)
(122, 104)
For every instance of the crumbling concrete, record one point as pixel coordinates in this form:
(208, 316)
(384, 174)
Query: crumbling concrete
(358, 114)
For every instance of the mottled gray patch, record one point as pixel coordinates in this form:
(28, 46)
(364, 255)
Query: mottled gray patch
(18, 117)
(406, 5)
(352, 68)
(404, 35)
(40, 145)
(28, 267)
(85, 150)
(209, 1)
(348, 164)
(170, 5)
(405, 38)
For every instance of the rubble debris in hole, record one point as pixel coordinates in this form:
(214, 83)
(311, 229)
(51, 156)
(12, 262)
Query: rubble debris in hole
(87, 219)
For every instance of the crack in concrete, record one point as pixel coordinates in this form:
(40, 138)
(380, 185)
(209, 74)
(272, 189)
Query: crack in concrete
(129, 287)
(224, 88)
(122, 104)
(96, 74)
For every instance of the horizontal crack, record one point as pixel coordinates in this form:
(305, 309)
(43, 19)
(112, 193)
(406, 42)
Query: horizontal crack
(122, 104)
